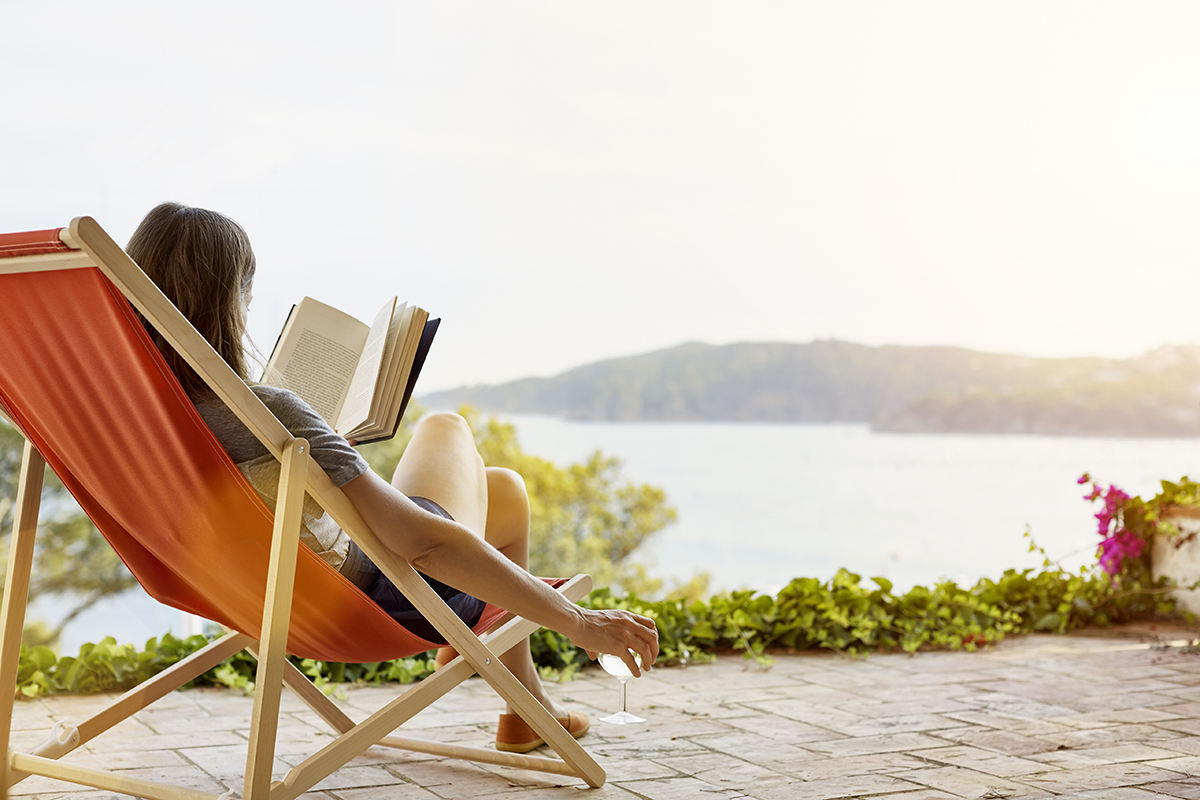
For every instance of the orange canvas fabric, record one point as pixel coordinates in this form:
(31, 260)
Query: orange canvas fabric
(81, 378)
(31, 243)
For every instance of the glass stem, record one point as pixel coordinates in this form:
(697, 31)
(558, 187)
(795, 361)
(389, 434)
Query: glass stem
(622, 681)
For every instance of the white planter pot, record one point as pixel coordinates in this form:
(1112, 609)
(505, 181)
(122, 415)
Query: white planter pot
(1178, 558)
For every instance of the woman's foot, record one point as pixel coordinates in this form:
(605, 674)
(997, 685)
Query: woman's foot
(514, 735)
(445, 655)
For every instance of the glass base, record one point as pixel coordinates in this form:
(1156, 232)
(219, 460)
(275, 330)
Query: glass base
(621, 718)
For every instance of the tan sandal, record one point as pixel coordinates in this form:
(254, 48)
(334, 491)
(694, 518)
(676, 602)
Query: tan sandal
(514, 735)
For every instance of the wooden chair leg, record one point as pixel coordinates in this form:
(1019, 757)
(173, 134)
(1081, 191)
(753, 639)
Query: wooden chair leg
(65, 738)
(281, 575)
(375, 729)
(16, 593)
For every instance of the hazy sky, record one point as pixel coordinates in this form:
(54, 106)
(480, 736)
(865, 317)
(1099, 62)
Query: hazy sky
(565, 182)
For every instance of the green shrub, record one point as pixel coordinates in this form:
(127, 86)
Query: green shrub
(842, 614)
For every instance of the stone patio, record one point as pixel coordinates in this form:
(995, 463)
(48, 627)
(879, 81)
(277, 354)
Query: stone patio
(1112, 714)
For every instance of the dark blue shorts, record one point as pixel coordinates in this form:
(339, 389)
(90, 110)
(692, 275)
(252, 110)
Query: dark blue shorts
(362, 572)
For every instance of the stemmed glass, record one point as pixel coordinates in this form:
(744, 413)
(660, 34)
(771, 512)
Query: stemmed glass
(614, 666)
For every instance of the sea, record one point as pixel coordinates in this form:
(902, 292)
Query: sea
(762, 503)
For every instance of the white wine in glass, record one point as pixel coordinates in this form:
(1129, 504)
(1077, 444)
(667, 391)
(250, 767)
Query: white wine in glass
(614, 666)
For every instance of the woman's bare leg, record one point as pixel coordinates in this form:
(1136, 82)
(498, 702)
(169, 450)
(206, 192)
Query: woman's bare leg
(442, 464)
(508, 531)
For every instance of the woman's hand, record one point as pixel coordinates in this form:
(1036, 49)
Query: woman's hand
(614, 631)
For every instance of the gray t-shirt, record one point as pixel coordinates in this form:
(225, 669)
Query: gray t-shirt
(339, 460)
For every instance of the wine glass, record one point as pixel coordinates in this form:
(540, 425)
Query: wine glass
(614, 666)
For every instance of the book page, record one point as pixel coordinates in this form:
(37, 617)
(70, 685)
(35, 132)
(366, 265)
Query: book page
(411, 338)
(316, 356)
(357, 407)
(402, 362)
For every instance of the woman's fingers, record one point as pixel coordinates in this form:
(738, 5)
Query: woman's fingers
(623, 634)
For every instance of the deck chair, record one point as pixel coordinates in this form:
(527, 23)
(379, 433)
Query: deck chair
(94, 399)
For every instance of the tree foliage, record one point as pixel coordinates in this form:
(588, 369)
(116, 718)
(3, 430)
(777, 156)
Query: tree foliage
(72, 560)
(585, 517)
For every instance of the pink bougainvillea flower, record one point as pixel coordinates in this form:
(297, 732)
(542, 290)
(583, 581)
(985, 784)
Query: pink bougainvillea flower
(1084, 478)
(1118, 547)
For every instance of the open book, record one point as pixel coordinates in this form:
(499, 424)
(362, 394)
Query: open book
(358, 377)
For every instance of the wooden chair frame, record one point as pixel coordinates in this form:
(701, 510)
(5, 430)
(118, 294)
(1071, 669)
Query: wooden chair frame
(90, 246)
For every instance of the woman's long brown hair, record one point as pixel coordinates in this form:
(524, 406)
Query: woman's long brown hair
(203, 263)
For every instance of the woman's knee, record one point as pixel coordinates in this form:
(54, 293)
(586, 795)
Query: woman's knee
(508, 515)
(506, 490)
(445, 423)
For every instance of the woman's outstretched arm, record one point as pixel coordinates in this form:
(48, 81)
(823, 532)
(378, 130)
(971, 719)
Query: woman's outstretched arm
(453, 554)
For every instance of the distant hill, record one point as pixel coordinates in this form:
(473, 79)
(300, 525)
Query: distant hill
(892, 388)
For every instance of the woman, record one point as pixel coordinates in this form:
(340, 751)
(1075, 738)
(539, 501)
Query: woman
(464, 526)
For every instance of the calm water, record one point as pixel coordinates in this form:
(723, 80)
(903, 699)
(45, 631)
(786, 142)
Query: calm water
(760, 504)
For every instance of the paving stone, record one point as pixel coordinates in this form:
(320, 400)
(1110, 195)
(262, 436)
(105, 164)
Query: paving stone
(752, 748)
(397, 791)
(1189, 710)
(1125, 793)
(1049, 690)
(636, 770)
(1004, 721)
(913, 722)
(1187, 726)
(1111, 755)
(1188, 765)
(608, 791)
(968, 783)
(1183, 678)
(682, 789)
(824, 768)
(729, 772)
(781, 729)
(850, 786)
(458, 780)
(1010, 744)
(226, 764)
(1021, 706)
(1113, 702)
(104, 744)
(1100, 719)
(1099, 777)
(136, 759)
(860, 675)
(188, 777)
(984, 761)
(1108, 736)
(906, 708)
(1182, 744)
(866, 745)
(961, 692)
(816, 695)
(1189, 789)
(815, 715)
(647, 748)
